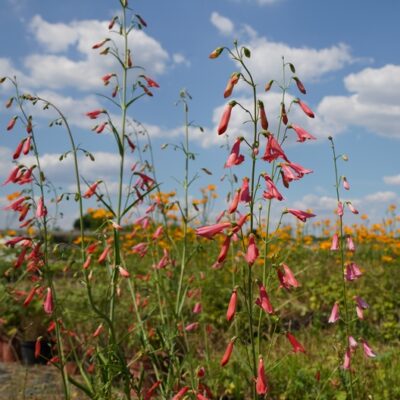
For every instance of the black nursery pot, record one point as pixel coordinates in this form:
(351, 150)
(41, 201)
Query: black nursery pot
(28, 353)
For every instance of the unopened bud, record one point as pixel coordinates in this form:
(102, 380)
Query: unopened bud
(345, 157)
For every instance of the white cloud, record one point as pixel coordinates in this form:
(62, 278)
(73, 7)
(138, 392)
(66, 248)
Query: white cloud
(56, 68)
(374, 103)
(380, 197)
(224, 25)
(180, 59)
(392, 180)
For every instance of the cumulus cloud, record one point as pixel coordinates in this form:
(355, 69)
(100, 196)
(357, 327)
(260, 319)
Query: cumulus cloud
(373, 102)
(224, 25)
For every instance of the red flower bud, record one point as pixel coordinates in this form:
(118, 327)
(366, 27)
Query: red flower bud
(223, 125)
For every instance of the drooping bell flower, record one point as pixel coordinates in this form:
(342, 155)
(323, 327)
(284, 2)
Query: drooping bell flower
(367, 350)
(123, 272)
(95, 113)
(235, 202)
(334, 313)
(346, 184)
(298, 169)
(212, 230)
(13, 175)
(98, 331)
(273, 149)
(41, 210)
(228, 352)
(197, 308)
(158, 232)
(302, 134)
(306, 109)
(216, 53)
(232, 305)
(297, 347)
(300, 85)
(261, 381)
(29, 297)
(272, 191)
(223, 125)
(340, 210)
(21, 258)
(335, 242)
(17, 204)
(11, 123)
(224, 250)
(352, 272)
(106, 78)
(233, 80)
(301, 215)
(87, 262)
(245, 191)
(144, 181)
(17, 239)
(288, 280)
(252, 251)
(352, 343)
(91, 190)
(263, 115)
(239, 224)
(131, 144)
(140, 249)
(347, 359)
(112, 22)
(350, 244)
(263, 300)
(351, 207)
(200, 396)
(48, 304)
(100, 128)
(38, 347)
(234, 157)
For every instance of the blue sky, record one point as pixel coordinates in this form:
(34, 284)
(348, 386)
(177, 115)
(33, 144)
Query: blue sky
(344, 52)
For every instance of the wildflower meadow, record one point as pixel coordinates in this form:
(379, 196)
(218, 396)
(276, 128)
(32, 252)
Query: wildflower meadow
(217, 284)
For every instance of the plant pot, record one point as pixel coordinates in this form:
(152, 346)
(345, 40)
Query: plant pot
(8, 353)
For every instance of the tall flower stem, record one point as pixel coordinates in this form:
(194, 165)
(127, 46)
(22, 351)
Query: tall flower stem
(342, 259)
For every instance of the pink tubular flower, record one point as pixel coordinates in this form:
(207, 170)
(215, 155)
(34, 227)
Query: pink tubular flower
(352, 343)
(11, 123)
(38, 347)
(106, 78)
(261, 381)
(158, 232)
(232, 305)
(12, 177)
(140, 249)
(245, 191)
(300, 85)
(87, 262)
(263, 301)
(235, 202)
(335, 242)
(302, 134)
(233, 80)
(273, 149)
(123, 272)
(263, 116)
(346, 185)
(297, 347)
(29, 297)
(27, 146)
(150, 82)
(181, 393)
(18, 150)
(352, 272)
(340, 210)
(301, 215)
(104, 254)
(240, 223)
(100, 44)
(287, 279)
(223, 125)
(48, 304)
(334, 313)
(212, 230)
(191, 327)
(41, 210)
(235, 158)
(224, 250)
(351, 207)
(350, 243)
(100, 128)
(271, 192)
(252, 251)
(197, 308)
(98, 331)
(95, 113)
(361, 302)
(91, 190)
(307, 110)
(367, 350)
(347, 359)
(228, 353)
